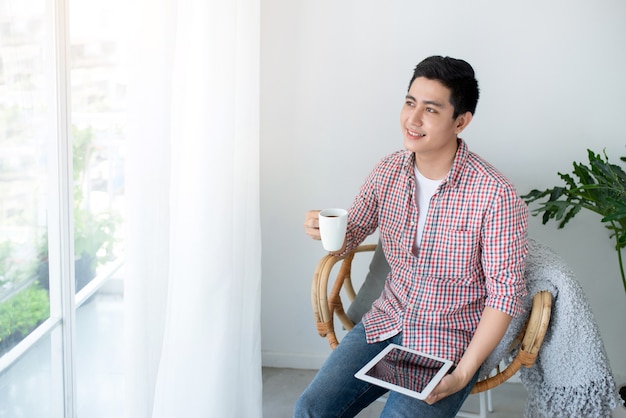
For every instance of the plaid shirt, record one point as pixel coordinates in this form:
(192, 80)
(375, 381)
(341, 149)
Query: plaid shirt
(471, 255)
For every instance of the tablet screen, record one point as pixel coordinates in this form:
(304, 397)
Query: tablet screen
(407, 371)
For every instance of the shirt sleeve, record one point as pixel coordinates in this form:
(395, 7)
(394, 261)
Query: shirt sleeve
(363, 214)
(505, 246)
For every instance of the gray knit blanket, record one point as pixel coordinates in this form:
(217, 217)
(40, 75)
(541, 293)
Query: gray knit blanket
(572, 376)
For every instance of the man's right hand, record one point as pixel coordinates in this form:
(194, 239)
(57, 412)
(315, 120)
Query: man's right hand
(312, 224)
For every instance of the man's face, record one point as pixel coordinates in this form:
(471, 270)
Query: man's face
(426, 119)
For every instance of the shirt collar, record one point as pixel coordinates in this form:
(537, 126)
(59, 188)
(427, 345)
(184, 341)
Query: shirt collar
(457, 165)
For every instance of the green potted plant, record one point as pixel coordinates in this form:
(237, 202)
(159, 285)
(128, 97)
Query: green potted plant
(599, 187)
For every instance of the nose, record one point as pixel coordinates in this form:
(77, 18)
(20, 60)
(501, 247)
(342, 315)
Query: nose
(415, 118)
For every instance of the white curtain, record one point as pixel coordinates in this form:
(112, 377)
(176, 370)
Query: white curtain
(193, 252)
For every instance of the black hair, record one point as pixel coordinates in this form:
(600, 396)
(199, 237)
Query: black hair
(455, 74)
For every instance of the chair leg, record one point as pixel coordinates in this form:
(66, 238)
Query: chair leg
(485, 405)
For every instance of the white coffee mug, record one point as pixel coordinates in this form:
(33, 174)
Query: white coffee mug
(333, 223)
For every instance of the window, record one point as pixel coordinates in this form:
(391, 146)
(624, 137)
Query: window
(27, 128)
(50, 341)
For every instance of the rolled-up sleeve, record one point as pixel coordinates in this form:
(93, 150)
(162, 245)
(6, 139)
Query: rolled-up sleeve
(505, 247)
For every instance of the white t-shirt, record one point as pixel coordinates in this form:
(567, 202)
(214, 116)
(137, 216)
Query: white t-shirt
(426, 188)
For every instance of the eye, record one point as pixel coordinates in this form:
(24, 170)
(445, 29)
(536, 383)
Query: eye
(409, 103)
(431, 110)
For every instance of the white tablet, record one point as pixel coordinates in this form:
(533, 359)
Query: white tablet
(407, 371)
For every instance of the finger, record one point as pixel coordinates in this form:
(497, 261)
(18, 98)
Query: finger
(311, 219)
(312, 215)
(311, 223)
(435, 397)
(431, 399)
(440, 391)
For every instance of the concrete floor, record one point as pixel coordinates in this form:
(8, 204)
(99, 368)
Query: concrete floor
(281, 388)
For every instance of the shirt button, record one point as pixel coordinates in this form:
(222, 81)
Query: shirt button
(412, 223)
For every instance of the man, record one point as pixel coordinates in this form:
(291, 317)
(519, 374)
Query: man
(454, 233)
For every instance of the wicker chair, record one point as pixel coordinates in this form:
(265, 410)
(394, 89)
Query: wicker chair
(326, 304)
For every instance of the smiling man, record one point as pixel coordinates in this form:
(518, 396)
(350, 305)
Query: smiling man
(453, 230)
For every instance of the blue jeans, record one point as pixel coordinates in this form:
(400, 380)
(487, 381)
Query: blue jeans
(335, 392)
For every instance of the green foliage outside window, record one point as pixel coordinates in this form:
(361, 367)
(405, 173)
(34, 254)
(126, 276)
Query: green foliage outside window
(93, 232)
(21, 314)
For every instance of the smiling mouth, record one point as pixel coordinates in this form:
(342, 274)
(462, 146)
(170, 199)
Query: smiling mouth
(415, 134)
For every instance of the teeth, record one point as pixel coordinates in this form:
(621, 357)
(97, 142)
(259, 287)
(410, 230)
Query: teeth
(412, 133)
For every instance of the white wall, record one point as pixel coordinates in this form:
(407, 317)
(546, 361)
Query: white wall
(333, 77)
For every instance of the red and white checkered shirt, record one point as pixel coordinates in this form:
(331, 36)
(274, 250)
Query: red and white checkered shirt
(471, 254)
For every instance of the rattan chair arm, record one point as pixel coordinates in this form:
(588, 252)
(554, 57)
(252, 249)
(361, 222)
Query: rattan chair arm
(531, 336)
(319, 301)
(326, 305)
(500, 377)
(537, 323)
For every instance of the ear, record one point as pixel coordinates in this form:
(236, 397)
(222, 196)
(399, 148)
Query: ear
(462, 121)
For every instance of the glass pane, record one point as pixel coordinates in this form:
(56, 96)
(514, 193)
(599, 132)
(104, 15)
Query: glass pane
(100, 355)
(98, 96)
(27, 128)
(98, 102)
(32, 386)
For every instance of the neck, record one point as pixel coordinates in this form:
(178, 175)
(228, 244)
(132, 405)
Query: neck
(436, 166)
